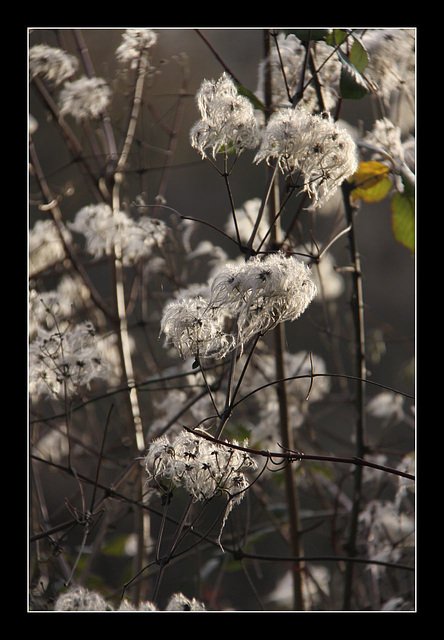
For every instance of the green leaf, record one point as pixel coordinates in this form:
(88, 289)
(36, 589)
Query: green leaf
(403, 219)
(337, 36)
(352, 85)
(359, 56)
(230, 148)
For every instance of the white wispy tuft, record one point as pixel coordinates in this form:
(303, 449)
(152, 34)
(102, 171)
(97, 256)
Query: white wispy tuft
(134, 43)
(251, 298)
(204, 469)
(85, 99)
(227, 119)
(392, 61)
(51, 63)
(263, 292)
(285, 63)
(194, 329)
(103, 228)
(81, 599)
(64, 362)
(317, 148)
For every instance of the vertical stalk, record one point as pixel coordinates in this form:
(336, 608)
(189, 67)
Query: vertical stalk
(142, 521)
(357, 303)
(291, 490)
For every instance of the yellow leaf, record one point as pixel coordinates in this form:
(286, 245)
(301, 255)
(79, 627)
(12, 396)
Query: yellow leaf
(372, 182)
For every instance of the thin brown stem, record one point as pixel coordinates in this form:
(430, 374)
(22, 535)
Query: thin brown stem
(357, 303)
(272, 199)
(298, 456)
(69, 137)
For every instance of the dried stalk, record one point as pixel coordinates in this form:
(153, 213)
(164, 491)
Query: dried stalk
(291, 490)
(357, 303)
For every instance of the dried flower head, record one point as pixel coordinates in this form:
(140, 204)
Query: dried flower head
(392, 61)
(262, 413)
(103, 228)
(70, 293)
(134, 42)
(51, 63)
(64, 361)
(386, 136)
(252, 297)
(387, 405)
(45, 245)
(261, 293)
(85, 99)
(179, 602)
(194, 329)
(125, 605)
(81, 599)
(322, 153)
(227, 119)
(203, 468)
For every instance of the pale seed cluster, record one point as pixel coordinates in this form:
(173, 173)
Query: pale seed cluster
(243, 300)
(45, 246)
(134, 42)
(51, 63)
(103, 228)
(392, 61)
(312, 146)
(227, 119)
(63, 362)
(195, 329)
(203, 468)
(79, 598)
(85, 99)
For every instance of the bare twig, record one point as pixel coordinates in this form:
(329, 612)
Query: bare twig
(298, 456)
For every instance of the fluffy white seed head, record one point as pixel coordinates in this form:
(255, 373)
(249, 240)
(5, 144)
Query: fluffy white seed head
(322, 153)
(261, 293)
(85, 99)
(65, 362)
(51, 63)
(179, 602)
(227, 119)
(392, 61)
(134, 42)
(203, 468)
(103, 228)
(249, 298)
(284, 65)
(81, 599)
(194, 329)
